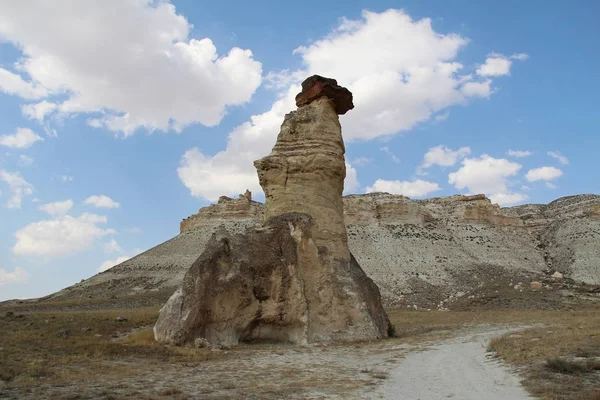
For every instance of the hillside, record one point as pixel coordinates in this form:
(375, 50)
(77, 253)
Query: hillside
(428, 252)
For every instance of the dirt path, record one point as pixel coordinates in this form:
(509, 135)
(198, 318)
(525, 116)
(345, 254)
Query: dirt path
(389, 369)
(458, 368)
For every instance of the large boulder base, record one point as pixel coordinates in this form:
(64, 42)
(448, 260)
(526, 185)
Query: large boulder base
(272, 283)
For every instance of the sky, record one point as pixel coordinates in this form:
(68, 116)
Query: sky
(119, 118)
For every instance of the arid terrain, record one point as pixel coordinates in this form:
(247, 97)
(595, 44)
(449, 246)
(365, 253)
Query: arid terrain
(505, 301)
(83, 350)
(426, 253)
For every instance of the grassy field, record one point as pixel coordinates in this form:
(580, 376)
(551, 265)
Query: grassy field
(558, 357)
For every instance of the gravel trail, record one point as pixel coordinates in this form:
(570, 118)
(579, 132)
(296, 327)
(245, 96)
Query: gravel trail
(458, 368)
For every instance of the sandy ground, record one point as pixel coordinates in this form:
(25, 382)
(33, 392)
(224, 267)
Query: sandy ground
(458, 368)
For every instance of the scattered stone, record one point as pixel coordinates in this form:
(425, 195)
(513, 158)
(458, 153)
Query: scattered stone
(64, 333)
(535, 285)
(97, 335)
(9, 314)
(121, 319)
(201, 343)
(557, 275)
(85, 330)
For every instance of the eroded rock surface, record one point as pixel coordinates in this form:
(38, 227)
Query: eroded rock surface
(271, 284)
(293, 279)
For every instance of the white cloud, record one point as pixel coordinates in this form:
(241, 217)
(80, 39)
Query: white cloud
(18, 187)
(443, 156)
(66, 178)
(488, 175)
(518, 153)
(562, 159)
(498, 64)
(57, 208)
(112, 247)
(131, 64)
(25, 160)
(390, 153)
(12, 83)
(478, 89)
(351, 182)
(543, 174)
(417, 188)
(21, 139)
(101, 201)
(551, 185)
(135, 229)
(18, 275)
(411, 76)
(38, 111)
(232, 171)
(507, 199)
(59, 237)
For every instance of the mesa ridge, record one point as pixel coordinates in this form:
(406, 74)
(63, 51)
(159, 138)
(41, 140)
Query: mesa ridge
(417, 251)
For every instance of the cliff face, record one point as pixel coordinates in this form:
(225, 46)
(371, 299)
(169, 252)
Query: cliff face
(408, 247)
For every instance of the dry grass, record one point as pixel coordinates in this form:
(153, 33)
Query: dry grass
(560, 360)
(36, 349)
(556, 356)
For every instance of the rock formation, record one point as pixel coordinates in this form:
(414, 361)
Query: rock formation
(292, 279)
(416, 251)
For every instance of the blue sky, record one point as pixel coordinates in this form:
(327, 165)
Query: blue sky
(120, 118)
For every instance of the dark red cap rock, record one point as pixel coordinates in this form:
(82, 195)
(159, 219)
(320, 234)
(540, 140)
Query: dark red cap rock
(317, 86)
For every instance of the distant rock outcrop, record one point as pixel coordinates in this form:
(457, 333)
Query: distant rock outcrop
(292, 279)
(416, 251)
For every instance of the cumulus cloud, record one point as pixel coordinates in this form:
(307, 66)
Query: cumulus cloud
(417, 188)
(18, 187)
(488, 175)
(543, 174)
(112, 247)
(498, 64)
(131, 64)
(561, 159)
(60, 237)
(17, 275)
(57, 208)
(101, 201)
(518, 153)
(411, 76)
(21, 139)
(38, 111)
(443, 156)
(13, 84)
